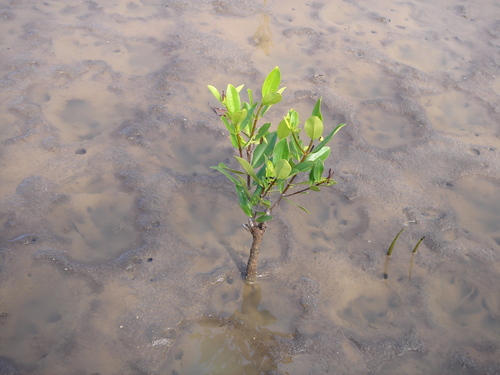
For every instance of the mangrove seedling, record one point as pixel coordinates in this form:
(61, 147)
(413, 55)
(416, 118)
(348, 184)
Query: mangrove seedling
(413, 256)
(389, 253)
(393, 243)
(274, 164)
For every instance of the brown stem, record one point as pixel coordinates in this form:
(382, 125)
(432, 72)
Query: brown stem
(307, 188)
(263, 194)
(239, 145)
(257, 230)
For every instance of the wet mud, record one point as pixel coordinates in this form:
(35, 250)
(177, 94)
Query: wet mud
(121, 251)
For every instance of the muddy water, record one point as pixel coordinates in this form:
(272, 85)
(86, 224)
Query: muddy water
(121, 251)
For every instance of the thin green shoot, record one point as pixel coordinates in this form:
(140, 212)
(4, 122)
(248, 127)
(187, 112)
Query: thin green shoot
(389, 252)
(413, 257)
(417, 245)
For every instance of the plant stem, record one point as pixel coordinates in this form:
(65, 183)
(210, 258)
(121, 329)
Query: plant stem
(257, 230)
(254, 125)
(297, 143)
(239, 145)
(264, 193)
(303, 190)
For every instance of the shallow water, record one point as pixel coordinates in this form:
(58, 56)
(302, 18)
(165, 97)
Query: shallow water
(121, 251)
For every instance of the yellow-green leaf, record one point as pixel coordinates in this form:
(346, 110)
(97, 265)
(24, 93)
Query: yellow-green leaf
(282, 169)
(233, 102)
(215, 92)
(271, 98)
(248, 168)
(272, 82)
(283, 129)
(264, 218)
(314, 127)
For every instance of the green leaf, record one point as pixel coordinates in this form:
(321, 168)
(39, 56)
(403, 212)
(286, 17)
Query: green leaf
(250, 96)
(322, 154)
(281, 186)
(233, 102)
(262, 131)
(281, 150)
(242, 182)
(261, 174)
(233, 170)
(271, 98)
(272, 82)
(256, 195)
(264, 150)
(294, 119)
(258, 157)
(222, 168)
(215, 92)
(243, 200)
(264, 218)
(304, 166)
(248, 117)
(295, 204)
(327, 138)
(331, 182)
(314, 127)
(248, 168)
(316, 172)
(314, 188)
(265, 203)
(239, 116)
(283, 129)
(317, 110)
(294, 149)
(229, 125)
(234, 140)
(282, 169)
(239, 88)
(270, 171)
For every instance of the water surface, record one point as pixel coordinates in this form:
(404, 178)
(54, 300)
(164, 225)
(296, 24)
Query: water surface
(121, 251)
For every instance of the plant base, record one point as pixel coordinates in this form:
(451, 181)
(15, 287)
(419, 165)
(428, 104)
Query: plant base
(257, 230)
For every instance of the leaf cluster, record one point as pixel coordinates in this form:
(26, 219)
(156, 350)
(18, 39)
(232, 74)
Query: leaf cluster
(271, 161)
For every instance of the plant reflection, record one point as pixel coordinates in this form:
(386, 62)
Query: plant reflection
(263, 37)
(239, 344)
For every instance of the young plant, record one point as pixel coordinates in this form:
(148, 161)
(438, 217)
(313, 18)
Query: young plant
(274, 165)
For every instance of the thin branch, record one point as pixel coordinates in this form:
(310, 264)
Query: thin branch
(239, 145)
(254, 125)
(297, 143)
(297, 192)
(273, 182)
(308, 188)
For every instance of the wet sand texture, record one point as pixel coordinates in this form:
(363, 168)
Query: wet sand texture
(121, 251)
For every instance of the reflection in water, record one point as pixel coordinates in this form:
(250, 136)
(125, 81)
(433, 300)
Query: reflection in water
(240, 344)
(263, 37)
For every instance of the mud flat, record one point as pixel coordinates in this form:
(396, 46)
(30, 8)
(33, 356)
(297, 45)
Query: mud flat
(121, 251)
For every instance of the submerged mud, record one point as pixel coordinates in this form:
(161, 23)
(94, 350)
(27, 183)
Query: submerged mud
(121, 251)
